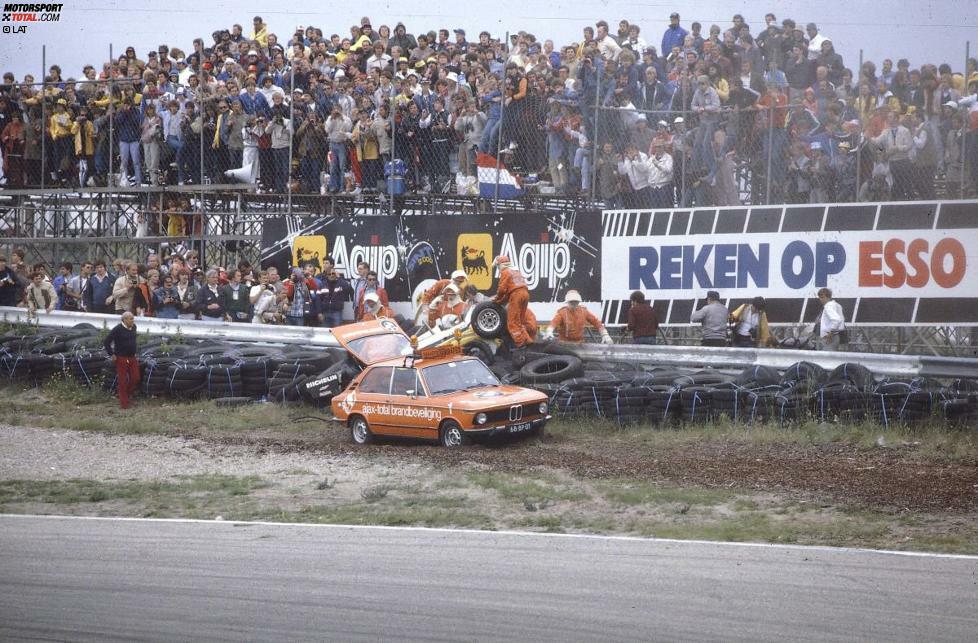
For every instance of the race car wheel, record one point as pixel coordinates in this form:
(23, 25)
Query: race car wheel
(480, 349)
(452, 436)
(360, 430)
(489, 320)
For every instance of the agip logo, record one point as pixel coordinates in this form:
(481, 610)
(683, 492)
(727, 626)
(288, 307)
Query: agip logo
(310, 249)
(474, 256)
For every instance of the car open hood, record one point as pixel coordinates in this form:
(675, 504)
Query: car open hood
(370, 352)
(498, 396)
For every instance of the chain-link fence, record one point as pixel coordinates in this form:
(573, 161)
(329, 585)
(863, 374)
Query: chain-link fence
(614, 132)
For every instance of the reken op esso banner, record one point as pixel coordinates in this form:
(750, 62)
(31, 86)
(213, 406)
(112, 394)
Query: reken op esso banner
(887, 263)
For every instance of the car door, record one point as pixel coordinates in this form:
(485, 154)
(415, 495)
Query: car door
(410, 405)
(372, 396)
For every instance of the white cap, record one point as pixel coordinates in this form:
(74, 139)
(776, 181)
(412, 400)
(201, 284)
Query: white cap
(459, 274)
(371, 297)
(452, 76)
(679, 119)
(572, 295)
(451, 289)
(952, 104)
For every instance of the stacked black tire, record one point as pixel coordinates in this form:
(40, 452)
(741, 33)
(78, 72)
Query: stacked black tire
(804, 391)
(225, 372)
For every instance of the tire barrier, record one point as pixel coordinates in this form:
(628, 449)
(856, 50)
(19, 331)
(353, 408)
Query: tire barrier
(225, 372)
(804, 391)
(629, 394)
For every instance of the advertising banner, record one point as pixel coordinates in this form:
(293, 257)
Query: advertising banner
(886, 263)
(555, 252)
(914, 263)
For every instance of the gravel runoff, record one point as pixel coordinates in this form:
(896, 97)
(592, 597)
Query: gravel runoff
(46, 454)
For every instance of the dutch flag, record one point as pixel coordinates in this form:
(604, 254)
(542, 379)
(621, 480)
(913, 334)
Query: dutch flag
(510, 185)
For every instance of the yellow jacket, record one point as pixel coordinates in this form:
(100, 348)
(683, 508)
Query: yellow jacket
(764, 337)
(366, 144)
(59, 125)
(84, 138)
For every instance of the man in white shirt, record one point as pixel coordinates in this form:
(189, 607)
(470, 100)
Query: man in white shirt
(660, 175)
(832, 324)
(606, 44)
(815, 41)
(635, 165)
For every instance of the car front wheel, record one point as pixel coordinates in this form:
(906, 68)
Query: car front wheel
(360, 430)
(452, 436)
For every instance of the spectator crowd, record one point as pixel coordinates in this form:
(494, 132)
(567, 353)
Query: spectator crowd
(177, 287)
(714, 116)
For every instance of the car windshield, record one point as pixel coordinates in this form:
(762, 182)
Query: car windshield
(458, 376)
(377, 348)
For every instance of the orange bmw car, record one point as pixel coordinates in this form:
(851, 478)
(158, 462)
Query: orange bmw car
(436, 394)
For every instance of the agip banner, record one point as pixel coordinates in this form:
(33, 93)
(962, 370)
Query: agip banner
(887, 263)
(912, 263)
(555, 252)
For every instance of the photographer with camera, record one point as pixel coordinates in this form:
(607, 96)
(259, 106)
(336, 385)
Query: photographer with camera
(60, 283)
(263, 301)
(76, 288)
(40, 294)
(300, 310)
(124, 291)
(166, 300)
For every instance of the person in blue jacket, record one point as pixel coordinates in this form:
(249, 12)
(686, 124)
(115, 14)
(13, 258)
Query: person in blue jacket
(673, 37)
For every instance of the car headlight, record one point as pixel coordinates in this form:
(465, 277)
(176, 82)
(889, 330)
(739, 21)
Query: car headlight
(480, 418)
(544, 408)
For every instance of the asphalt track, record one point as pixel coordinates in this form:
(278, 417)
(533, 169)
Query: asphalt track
(109, 579)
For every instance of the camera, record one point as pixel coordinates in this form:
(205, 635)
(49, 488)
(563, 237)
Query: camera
(270, 287)
(134, 281)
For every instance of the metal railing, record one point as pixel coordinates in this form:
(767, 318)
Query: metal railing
(721, 358)
(789, 148)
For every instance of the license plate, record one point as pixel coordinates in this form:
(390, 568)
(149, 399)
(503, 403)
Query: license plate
(519, 428)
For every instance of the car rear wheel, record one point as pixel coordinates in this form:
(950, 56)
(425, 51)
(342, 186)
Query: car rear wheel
(452, 436)
(360, 430)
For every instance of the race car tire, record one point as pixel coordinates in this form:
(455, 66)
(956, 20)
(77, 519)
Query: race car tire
(480, 349)
(489, 320)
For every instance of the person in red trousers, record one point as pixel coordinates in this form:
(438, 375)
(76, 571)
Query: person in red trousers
(121, 347)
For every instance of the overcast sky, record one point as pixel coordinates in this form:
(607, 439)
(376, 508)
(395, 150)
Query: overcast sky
(922, 31)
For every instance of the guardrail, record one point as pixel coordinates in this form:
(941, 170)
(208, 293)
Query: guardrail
(688, 356)
(893, 365)
(319, 337)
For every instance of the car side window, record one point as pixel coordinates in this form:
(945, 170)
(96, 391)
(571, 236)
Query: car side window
(406, 382)
(378, 380)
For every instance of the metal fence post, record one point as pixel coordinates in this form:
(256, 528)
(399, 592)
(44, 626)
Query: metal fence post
(964, 136)
(594, 143)
(502, 125)
(687, 152)
(770, 153)
(288, 176)
(110, 223)
(862, 130)
(389, 175)
(44, 125)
